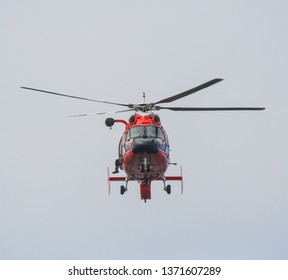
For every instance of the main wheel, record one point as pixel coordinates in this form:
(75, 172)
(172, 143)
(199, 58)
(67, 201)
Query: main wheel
(122, 190)
(168, 189)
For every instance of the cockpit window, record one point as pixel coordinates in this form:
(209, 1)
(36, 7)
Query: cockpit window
(135, 131)
(155, 132)
(151, 131)
(148, 130)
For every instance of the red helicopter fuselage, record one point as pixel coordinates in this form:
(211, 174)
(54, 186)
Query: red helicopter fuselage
(143, 153)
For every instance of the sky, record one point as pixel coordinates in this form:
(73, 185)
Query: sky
(54, 202)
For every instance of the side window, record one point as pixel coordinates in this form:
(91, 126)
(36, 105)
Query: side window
(122, 144)
(160, 133)
(127, 142)
(120, 148)
(166, 136)
(128, 135)
(165, 144)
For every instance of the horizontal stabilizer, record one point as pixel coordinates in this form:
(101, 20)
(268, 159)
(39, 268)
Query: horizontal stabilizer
(117, 178)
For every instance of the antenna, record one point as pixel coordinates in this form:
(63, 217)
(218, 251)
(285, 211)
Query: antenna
(144, 95)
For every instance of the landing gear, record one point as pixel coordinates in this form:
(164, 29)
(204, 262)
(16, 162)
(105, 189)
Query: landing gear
(124, 189)
(167, 188)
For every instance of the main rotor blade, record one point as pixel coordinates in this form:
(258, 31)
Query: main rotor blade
(211, 108)
(76, 97)
(104, 113)
(190, 91)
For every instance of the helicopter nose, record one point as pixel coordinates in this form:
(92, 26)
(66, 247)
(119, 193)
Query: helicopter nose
(145, 146)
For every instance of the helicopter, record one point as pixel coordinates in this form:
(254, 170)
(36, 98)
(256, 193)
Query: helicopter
(143, 151)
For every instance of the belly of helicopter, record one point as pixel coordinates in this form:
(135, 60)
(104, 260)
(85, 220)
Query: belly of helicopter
(145, 166)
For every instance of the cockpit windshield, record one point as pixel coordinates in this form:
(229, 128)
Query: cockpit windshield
(154, 132)
(135, 132)
(150, 131)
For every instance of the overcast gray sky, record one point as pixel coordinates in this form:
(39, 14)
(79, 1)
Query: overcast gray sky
(54, 202)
